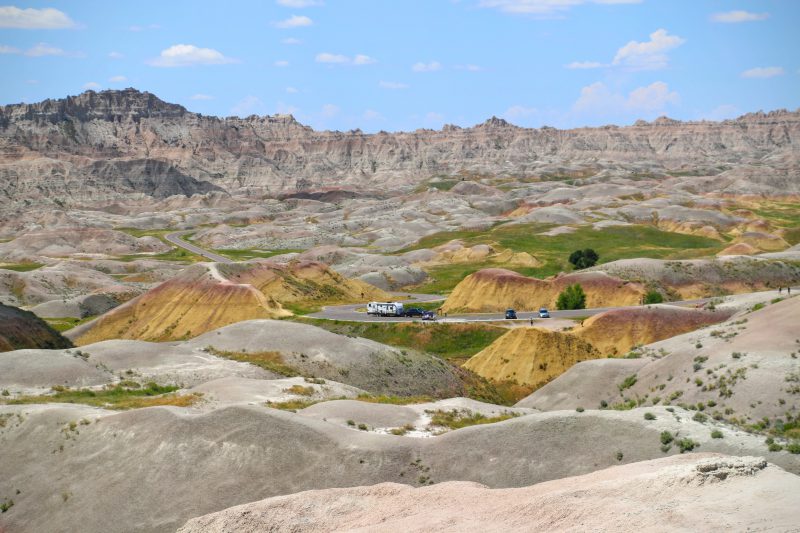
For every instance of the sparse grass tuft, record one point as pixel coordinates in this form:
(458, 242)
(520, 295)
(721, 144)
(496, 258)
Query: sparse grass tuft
(457, 419)
(116, 397)
(393, 400)
(272, 361)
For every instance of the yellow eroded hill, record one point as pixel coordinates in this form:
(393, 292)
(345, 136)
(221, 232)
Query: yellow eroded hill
(496, 289)
(530, 356)
(616, 332)
(208, 296)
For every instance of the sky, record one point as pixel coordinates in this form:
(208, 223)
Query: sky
(401, 65)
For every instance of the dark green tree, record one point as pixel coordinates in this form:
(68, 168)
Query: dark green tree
(583, 258)
(572, 297)
(653, 297)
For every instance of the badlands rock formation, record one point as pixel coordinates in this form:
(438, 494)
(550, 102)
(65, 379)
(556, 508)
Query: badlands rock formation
(737, 493)
(495, 289)
(207, 296)
(21, 329)
(129, 144)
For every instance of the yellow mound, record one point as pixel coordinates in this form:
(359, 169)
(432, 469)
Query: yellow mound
(495, 289)
(765, 242)
(208, 296)
(454, 252)
(741, 248)
(530, 356)
(616, 332)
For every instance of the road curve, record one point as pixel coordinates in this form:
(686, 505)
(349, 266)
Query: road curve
(175, 238)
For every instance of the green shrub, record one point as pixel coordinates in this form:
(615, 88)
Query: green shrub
(572, 297)
(579, 409)
(699, 417)
(793, 447)
(619, 456)
(649, 416)
(687, 445)
(627, 383)
(775, 447)
(716, 434)
(666, 437)
(653, 297)
(363, 427)
(581, 259)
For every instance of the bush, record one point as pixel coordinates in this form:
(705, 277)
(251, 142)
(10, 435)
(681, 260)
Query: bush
(687, 445)
(699, 417)
(653, 297)
(579, 409)
(627, 383)
(649, 416)
(619, 456)
(666, 437)
(793, 447)
(775, 447)
(583, 258)
(716, 434)
(572, 297)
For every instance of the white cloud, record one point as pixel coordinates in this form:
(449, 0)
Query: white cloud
(117, 79)
(295, 21)
(426, 67)
(392, 85)
(299, 4)
(92, 85)
(330, 110)
(44, 49)
(361, 59)
(371, 114)
(763, 72)
(115, 55)
(732, 17)
(517, 112)
(326, 57)
(249, 105)
(433, 117)
(201, 96)
(187, 55)
(34, 19)
(469, 68)
(291, 40)
(544, 7)
(597, 99)
(649, 55)
(9, 50)
(584, 65)
(339, 59)
(281, 63)
(32, 82)
(291, 90)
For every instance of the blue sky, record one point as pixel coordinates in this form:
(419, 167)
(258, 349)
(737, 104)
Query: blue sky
(401, 65)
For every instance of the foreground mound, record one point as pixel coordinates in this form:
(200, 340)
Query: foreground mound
(22, 329)
(693, 493)
(210, 295)
(496, 289)
(209, 461)
(530, 356)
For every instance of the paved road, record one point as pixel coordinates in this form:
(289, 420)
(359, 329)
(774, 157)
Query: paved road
(357, 312)
(175, 238)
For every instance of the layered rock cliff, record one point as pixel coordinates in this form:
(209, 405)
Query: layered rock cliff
(128, 144)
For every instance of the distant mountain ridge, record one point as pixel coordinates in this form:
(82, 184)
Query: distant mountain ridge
(101, 147)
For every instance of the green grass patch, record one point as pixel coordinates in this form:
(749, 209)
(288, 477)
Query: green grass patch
(272, 361)
(449, 341)
(20, 267)
(617, 242)
(457, 419)
(394, 400)
(292, 405)
(244, 255)
(67, 323)
(118, 397)
(176, 254)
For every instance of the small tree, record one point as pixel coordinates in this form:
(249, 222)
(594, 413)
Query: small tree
(572, 297)
(583, 258)
(653, 297)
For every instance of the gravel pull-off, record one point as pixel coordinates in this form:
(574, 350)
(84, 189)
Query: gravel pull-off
(682, 493)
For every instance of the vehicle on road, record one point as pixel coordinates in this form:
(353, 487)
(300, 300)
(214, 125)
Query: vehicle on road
(544, 313)
(385, 309)
(414, 311)
(428, 315)
(511, 314)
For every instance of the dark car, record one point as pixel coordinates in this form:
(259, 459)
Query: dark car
(544, 313)
(414, 311)
(428, 315)
(511, 314)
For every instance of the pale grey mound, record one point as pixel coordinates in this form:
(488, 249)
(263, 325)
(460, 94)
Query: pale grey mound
(78, 307)
(362, 363)
(202, 462)
(23, 370)
(248, 390)
(689, 493)
(371, 414)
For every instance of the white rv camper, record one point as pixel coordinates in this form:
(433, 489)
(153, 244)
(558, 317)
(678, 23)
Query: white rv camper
(385, 309)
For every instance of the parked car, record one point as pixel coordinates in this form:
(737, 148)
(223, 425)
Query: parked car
(414, 311)
(511, 314)
(428, 315)
(544, 313)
